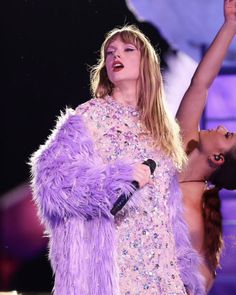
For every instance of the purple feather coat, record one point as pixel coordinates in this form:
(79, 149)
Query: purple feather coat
(74, 191)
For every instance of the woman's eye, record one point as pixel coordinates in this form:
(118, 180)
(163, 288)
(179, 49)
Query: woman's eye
(109, 52)
(129, 49)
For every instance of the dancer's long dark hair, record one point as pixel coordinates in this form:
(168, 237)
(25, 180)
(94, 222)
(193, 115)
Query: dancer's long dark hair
(223, 177)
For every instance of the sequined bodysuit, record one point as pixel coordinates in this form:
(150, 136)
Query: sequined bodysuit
(146, 257)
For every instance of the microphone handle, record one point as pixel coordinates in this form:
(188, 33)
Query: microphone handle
(123, 199)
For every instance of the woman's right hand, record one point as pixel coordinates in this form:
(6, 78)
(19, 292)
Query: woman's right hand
(230, 10)
(142, 174)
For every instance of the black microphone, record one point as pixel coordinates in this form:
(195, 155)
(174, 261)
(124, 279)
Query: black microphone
(123, 199)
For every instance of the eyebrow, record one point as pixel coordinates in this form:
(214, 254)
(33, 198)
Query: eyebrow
(111, 46)
(129, 44)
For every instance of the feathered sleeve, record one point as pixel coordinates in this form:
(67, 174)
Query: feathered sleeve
(70, 179)
(188, 258)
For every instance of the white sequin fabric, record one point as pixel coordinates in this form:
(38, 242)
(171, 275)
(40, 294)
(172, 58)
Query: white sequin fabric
(146, 257)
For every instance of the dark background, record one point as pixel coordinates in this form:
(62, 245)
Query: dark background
(47, 47)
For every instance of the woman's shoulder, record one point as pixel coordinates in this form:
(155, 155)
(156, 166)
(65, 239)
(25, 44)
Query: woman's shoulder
(91, 107)
(92, 112)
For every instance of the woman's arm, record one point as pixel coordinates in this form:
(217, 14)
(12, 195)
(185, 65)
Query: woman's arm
(70, 179)
(193, 102)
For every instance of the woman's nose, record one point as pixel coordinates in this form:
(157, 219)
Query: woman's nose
(222, 129)
(116, 54)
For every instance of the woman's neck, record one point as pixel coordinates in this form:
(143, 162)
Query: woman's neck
(192, 191)
(125, 95)
(197, 169)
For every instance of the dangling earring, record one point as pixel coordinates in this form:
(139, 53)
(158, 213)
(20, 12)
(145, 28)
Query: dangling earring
(209, 185)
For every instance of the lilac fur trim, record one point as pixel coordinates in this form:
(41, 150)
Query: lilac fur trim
(74, 191)
(70, 179)
(188, 258)
(83, 256)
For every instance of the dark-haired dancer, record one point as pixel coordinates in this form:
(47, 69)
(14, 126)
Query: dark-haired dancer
(211, 153)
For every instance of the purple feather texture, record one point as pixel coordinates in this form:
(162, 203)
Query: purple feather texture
(74, 191)
(188, 258)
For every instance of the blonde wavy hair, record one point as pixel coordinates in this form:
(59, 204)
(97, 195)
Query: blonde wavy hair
(151, 103)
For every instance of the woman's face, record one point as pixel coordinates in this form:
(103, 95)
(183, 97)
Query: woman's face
(218, 140)
(122, 62)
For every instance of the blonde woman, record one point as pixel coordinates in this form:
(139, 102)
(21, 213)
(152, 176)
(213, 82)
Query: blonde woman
(92, 157)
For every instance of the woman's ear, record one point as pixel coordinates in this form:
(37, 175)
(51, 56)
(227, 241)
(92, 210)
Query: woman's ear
(216, 160)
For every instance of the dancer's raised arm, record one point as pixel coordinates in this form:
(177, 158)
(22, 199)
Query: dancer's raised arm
(193, 102)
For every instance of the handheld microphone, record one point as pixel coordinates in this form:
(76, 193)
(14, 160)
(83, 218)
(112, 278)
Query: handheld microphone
(123, 199)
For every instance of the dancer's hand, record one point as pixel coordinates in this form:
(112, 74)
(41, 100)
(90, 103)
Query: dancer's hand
(230, 10)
